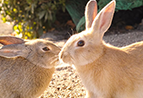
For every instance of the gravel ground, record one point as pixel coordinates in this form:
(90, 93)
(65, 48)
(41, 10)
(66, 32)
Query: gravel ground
(66, 82)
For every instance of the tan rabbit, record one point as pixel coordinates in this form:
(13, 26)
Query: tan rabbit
(106, 71)
(26, 67)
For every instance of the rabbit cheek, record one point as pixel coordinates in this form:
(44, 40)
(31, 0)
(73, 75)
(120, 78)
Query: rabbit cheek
(50, 60)
(81, 57)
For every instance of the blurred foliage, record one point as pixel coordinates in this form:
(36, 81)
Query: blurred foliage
(76, 9)
(31, 17)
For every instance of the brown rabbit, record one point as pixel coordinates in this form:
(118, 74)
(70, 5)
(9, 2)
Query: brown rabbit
(26, 67)
(106, 71)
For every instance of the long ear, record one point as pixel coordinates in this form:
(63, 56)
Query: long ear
(90, 12)
(14, 50)
(104, 19)
(7, 40)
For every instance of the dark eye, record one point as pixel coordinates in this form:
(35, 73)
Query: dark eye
(80, 43)
(46, 49)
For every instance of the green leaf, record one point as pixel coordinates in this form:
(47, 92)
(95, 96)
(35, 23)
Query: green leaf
(29, 1)
(41, 14)
(81, 24)
(28, 8)
(46, 16)
(32, 7)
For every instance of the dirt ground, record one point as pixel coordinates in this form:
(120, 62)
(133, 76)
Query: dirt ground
(66, 82)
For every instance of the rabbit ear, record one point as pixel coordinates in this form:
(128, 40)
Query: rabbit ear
(103, 20)
(7, 40)
(10, 51)
(90, 12)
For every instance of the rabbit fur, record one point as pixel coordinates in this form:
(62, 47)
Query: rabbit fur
(26, 67)
(105, 70)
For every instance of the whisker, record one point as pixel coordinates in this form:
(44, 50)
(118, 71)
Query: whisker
(56, 56)
(69, 34)
(72, 31)
(53, 61)
(72, 59)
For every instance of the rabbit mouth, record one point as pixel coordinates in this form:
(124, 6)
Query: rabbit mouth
(50, 63)
(54, 61)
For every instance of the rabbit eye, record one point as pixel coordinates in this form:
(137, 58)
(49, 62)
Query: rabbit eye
(46, 49)
(81, 43)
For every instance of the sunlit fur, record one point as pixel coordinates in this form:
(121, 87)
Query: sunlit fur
(117, 73)
(86, 52)
(105, 70)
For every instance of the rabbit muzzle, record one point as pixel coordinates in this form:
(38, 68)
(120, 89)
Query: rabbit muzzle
(64, 57)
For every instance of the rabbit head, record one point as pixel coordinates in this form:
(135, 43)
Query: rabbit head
(87, 46)
(39, 52)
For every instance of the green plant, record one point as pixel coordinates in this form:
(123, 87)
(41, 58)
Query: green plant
(31, 17)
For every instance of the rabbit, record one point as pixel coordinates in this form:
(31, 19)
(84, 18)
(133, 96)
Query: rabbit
(26, 67)
(106, 71)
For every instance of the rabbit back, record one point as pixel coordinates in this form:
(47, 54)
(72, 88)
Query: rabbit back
(16, 80)
(117, 74)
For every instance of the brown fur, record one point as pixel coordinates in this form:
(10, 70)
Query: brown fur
(26, 75)
(22, 79)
